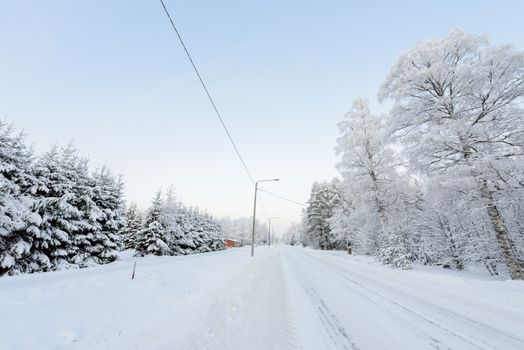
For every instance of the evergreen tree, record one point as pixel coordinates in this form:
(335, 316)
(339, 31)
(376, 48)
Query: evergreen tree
(395, 250)
(107, 196)
(133, 225)
(195, 233)
(152, 238)
(214, 236)
(19, 231)
(184, 238)
(325, 198)
(60, 205)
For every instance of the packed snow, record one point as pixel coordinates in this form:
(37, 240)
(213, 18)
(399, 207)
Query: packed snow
(283, 298)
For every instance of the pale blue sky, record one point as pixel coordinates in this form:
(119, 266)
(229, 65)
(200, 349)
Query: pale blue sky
(112, 76)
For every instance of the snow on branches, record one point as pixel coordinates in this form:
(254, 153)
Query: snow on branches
(440, 179)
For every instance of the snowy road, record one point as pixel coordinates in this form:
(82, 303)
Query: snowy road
(361, 306)
(284, 298)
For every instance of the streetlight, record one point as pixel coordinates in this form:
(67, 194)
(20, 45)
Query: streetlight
(269, 231)
(255, 213)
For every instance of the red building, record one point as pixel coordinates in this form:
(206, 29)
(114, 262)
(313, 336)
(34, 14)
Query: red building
(230, 243)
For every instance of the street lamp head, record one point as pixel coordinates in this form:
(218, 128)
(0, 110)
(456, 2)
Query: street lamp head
(267, 180)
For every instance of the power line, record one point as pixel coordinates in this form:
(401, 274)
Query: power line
(215, 107)
(282, 197)
(259, 199)
(207, 93)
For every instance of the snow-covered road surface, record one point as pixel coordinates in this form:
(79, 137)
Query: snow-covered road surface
(361, 306)
(284, 298)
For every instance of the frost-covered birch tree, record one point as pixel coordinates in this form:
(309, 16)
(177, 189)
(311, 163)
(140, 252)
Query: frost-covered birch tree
(458, 113)
(371, 182)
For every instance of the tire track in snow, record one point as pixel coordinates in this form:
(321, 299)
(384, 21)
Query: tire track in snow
(516, 342)
(335, 330)
(329, 325)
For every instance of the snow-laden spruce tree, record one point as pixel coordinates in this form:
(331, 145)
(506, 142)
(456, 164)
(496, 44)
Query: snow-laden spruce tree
(213, 234)
(19, 233)
(395, 251)
(152, 239)
(174, 214)
(59, 206)
(81, 192)
(195, 232)
(458, 114)
(183, 233)
(324, 199)
(107, 194)
(132, 226)
(81, 213)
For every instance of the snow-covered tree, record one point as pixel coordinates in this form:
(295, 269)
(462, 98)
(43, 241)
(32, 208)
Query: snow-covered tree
(395, 250)
(59, 206)
(458, 114)
(53, 213)
(373, 187)
(294, 235)
(152, 239)
(19, 231)
(185, 232)
(133, 225)
(240, 229)
(340, 223)
(324, 199)
(107, 195)
(83, 247)
(194, 232)
(214, 234)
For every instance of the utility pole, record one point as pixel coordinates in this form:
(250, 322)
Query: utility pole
(254, 215)
(269, 231)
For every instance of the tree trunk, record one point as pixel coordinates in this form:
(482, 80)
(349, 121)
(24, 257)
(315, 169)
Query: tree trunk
(506, 248)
